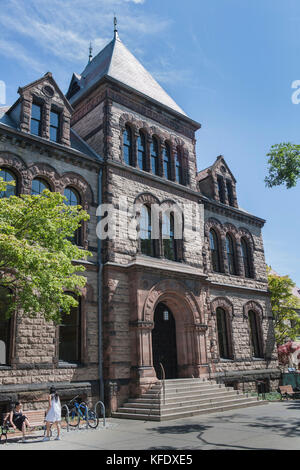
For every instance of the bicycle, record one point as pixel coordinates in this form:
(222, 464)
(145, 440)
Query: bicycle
(80, 411)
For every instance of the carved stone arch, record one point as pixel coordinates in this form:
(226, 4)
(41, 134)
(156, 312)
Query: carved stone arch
(174, 294)
(47, 172)
(77, 182)
(146, 198)
(255, 306)
(223, 303)
(245, 233)
(215, 224)
(231, 229)
(190, 329)
(124, 119)
(18, 167)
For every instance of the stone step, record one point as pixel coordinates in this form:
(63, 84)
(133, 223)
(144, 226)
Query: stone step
(165, 409)
(186, 386)
(185, 414)
(185, 394)
(143, 403)
(185, 381)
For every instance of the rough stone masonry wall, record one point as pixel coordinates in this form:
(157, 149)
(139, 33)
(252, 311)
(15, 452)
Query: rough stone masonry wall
(35, 343)
(238, 291)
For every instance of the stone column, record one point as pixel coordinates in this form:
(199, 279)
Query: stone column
(145, 373)
(26, 103)
(65, 129)
(148, 153)
(201, 366)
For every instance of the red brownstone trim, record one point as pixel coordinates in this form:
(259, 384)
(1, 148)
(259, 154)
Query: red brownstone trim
(255, 306)
(222, 302)
(45, 171)
(162, 137)
(17, 166)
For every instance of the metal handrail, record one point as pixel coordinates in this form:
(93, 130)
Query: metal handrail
(68, 414)
(163, 381)
(86, 414)
(103, 410)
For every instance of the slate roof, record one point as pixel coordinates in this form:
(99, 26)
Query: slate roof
(118, 63)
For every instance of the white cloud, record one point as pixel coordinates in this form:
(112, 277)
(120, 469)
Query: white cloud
(19, 54)
(64, 29)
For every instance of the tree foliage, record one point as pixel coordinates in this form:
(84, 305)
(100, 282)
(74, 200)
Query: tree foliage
(284, 165)
(39, 264)
(284, 307)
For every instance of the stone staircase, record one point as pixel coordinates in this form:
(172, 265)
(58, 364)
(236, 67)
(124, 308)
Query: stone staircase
(183, 398)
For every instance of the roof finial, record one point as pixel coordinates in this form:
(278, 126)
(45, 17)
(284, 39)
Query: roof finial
(90, 52)
(115, 27)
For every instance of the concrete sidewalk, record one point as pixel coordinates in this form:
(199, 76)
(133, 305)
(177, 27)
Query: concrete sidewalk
(272, 426)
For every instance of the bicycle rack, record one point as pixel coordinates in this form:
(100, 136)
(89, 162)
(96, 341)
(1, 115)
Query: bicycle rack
(87, 416)
(68, 414)
(103, 411)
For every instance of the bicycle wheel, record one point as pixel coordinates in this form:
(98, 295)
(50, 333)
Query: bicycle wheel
(93, 421)
(74, 418)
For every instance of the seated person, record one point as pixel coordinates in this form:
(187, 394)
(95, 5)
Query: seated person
(18, 420)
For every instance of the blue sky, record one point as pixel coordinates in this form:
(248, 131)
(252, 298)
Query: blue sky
(229, 64)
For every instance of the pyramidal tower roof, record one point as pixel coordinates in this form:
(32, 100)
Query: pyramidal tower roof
(116, 62)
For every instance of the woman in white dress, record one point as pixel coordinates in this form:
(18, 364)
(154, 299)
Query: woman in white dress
(54, 414)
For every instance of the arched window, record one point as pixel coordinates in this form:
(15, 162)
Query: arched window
(168, 238)
(5, 326)
(255, 334)
(167, 161)
(73, 199)
(8, 176)
(223, 334)
(154, 156)
(214, 251)
(246, 258)
(70, 336)
(38, 186)
(127, 146)
(147, 243)
(230, 254)
(141, 144)
(178, 167)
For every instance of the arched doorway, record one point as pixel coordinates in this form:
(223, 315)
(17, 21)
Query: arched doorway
(164, 342)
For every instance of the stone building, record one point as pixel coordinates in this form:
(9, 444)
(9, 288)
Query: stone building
(190, 302)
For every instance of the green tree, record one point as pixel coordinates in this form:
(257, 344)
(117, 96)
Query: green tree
(284, 307)
(38, 262)
(284, 165)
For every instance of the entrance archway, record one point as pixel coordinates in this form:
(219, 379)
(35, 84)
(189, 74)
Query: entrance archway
(164, 342)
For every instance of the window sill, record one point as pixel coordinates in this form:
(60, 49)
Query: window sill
(69, 365)
(5, 367)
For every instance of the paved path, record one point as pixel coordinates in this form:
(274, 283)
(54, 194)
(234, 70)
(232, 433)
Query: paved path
(272, 426)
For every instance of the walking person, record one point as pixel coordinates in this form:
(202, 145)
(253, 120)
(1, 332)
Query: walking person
(54, 414)
(18, 420)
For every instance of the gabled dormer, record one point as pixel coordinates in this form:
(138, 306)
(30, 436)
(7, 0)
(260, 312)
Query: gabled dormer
(218, 183)
(43, 110)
